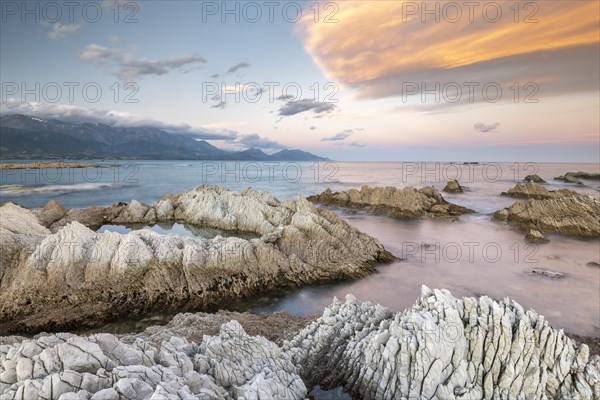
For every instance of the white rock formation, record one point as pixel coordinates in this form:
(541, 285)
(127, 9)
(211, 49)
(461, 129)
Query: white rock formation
(444, 348)
(441, 348)
(231, 365)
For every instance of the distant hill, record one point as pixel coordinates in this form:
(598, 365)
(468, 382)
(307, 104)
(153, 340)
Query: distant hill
(26, 137)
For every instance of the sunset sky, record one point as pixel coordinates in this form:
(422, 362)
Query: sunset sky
(509, 80)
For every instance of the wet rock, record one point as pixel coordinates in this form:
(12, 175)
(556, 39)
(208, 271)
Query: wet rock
(593, 264)
(533, 178)
(574, 215)
(401, 203)
(77, 277)
(535, 236)
(547, 273)
(532, 190)
(453, 187)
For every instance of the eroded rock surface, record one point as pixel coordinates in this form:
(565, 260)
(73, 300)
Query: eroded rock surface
(276, 327)
(575, 215)
(532, 190)
(442, 347)
(77, 277)
(402, 203)
(231, 365)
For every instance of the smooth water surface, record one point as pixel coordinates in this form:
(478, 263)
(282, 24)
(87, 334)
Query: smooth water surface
(469, 257)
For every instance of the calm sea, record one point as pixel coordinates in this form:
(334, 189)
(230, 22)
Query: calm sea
(470, 257)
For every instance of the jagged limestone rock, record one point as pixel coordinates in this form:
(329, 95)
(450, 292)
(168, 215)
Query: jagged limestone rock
(402, 203)
(77, 277)
(230, 365)
(442, 348)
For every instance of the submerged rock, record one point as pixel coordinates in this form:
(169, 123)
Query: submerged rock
(442, 347)
(593, 264)
(534, 178)
(453, 187)
(402, 203)
(77, 277)
(532, 190)
(547, 273)
(574, 215)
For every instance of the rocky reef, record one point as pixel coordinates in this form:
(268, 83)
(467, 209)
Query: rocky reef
(442, 347)
(401, 203)
(51, 164)
(532, 190)
(77, 277)
(574, 177)
(563, 212)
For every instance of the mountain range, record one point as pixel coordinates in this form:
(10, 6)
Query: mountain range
(27, 137)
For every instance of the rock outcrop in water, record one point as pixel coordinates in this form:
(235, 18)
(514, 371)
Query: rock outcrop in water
(401, 203)
(77, 277)
(573, 177)
(532, 190)
(575, 214)
(442, 347)
(453, 187)
(534, 178)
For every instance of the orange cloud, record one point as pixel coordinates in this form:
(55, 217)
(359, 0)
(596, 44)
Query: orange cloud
(378, 39)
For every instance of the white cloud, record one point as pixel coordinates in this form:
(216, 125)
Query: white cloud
(59, 31)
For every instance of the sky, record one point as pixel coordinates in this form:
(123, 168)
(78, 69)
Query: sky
(349, 80)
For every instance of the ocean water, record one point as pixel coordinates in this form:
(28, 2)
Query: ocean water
(469, 257)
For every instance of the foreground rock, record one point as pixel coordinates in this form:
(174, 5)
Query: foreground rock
(532, 190)
(442, 347)
(402, 203)
(77, 277)
(453, 187)
(575, 215)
